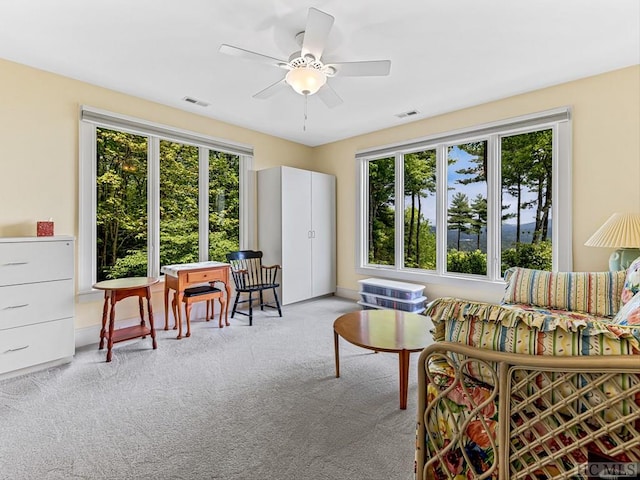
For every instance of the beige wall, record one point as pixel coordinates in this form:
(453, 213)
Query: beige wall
(39, 155)
(39, 151)
(606, 161)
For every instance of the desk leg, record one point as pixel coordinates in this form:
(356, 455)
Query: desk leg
(336, 350)
(166, 305)
(404, 378)
(177, 297)
(226, 306)
(151, 327)
(112, 321)
(103, 330)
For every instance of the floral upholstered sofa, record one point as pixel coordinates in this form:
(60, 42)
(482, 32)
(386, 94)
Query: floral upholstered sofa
(544, 385)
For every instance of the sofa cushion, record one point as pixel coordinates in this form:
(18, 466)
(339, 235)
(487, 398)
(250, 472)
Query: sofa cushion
(596, 293)
(629, 314)
(530, 330)
(631, 282)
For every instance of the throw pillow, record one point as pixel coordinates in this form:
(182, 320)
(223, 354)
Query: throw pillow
(597, 293)
(631, 282)
(629, 314)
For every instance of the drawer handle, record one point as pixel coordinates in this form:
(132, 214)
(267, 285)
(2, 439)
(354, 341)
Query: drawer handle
(13, 264)
(16, 306)
(16, 349)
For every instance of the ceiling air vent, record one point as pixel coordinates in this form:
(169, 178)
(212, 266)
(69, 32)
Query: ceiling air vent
(195, 101)
(410, 113)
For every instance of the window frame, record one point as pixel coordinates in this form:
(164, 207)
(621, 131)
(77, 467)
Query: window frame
(90, 120)
(558, 120)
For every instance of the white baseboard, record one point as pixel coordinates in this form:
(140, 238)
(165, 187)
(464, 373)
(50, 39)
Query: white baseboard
(347, 293)
(91, 335)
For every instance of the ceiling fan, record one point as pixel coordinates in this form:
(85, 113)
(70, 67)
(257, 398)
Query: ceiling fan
(307, 73)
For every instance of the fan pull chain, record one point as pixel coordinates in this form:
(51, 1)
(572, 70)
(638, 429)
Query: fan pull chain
(304, 124)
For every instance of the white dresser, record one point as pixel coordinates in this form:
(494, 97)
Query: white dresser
(36, 302)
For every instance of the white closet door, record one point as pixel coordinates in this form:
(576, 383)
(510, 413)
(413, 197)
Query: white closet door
(323, 225)
(296, 233)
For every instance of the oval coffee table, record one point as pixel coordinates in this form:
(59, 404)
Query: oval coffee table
(385, 331)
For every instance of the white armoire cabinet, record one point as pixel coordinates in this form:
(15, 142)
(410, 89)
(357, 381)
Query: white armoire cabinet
(297, 230)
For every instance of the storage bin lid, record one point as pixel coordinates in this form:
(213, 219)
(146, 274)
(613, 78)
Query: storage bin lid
(402, 286)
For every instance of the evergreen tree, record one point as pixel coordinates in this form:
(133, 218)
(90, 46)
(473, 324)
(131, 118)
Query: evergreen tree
(479, 217)
(460, 215)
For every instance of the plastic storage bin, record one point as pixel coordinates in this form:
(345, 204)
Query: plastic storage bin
(381, 293)
(378, 301)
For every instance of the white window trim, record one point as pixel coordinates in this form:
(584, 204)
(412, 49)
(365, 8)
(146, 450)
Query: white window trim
(90, 119)
(557, 119)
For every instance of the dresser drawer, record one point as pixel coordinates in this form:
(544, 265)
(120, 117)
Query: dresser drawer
(26, 262)
(34, 344)
(30, 303)
(208, 276)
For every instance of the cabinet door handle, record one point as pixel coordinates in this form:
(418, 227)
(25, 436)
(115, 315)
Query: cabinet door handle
(11, 307)
(313, 234)
(11, 350)
(12, 264)
(309, 234)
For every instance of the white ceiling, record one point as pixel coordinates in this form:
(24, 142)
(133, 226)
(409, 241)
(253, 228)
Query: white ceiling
(445, 54)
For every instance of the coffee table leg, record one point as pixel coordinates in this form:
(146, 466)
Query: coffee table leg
(404, 378)
(335, 347)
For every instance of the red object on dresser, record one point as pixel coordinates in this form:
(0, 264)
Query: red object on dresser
(45, 229)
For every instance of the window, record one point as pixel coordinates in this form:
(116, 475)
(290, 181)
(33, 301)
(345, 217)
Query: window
(467, 205)
(152, 195)
(381, 211)
(420, 209)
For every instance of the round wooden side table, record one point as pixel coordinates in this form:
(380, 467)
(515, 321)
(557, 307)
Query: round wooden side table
(116, 290)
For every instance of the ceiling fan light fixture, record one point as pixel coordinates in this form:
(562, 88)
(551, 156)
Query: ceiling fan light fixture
(306, 81)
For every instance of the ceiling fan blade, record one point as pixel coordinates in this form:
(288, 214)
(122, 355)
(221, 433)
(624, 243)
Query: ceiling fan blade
(329, 96)
(249, 55)
(375, 68)
(271, 90)
(316, 32)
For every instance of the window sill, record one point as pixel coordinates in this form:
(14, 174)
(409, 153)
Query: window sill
(447, 280)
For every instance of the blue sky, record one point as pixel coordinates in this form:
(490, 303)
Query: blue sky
(463, 161)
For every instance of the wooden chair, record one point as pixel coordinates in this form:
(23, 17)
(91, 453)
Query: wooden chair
(249, 276)
(201, 293)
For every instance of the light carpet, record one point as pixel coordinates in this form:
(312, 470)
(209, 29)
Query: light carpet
(240, 402)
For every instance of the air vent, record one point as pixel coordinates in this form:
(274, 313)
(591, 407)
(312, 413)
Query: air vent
(195, 101)
(410, 113)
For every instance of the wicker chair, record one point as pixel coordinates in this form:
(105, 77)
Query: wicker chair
(249, 277)
(545, 384)
(539, 417)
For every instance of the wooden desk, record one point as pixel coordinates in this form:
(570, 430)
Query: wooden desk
(179, 277)
(116, 290)
(385, 331)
